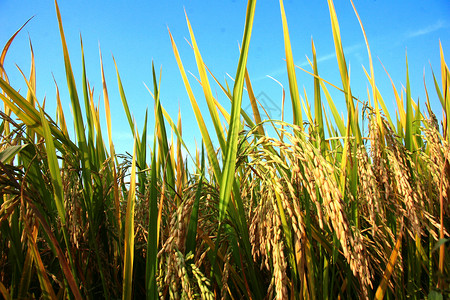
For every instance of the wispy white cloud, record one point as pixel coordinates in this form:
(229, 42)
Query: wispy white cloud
(428, 29)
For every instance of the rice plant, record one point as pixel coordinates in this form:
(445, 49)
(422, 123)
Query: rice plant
(320, 208)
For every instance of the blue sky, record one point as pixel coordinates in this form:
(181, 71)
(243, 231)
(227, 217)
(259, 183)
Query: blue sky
(135, 32)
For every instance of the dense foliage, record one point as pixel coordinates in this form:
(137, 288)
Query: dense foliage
(320, 209)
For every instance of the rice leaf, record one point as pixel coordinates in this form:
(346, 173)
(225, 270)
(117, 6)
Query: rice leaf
(353, 116)
(54, 170)
(4, 292)
(198, 115)
(6, 48)
(381, 101)
(162, 136)
(88, 104)
(32, 88)
(293, 88)
(337, 118)
(129, 232)
(54, 245)
(60, 119)
(230, 97)
(445, 75)
(381, 290)
(111, 149)
(181, 174)
(409, 114)
(124, 99)
(76, 110)
(27, 271)
(206, 88)
(232, 139)
(191, 234)
(46, 286)
(19, 106)
(175, 130)
(253, 103)
(8, 153)
(318, 119)
(372, 74)
(153, 230)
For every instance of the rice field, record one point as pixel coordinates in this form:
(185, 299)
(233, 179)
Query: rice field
(324, 207)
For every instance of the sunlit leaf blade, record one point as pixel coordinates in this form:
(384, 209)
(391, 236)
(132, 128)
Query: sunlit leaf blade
(7, 154)
(445, 75)
(129, 232)
(198, 115)
(4, 292)
(318, 118)
(191, 235)
(372, 74)
(54, 169)
(337, 118)
(230, 97)
(61, 121)
(6, 48)
(76, 109)
(206, 88)
(153, 229)
(69, 276)
(124, 99)
(111, 146)
(381, 103)
(228, 182)
(32, 87)
(162, 136)
(381, 290)
(175, 130)
(57, 184)
(181, 172)
(232, 138)
(409, 114)
(344, 162)
(142, 157)
(88, 103)
(307, 108)
(18, 104)
(344, 72)
(253, 103)
(293, 88)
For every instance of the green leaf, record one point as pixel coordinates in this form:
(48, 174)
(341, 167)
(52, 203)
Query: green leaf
(193, 221)
(129, 232)
(206, 88)
(352, 115)
(8, 153)
(124, 99)
(153, 229)
(409, 114)
(293, 88)
(232, 139)
(212, 157)
(76, 110)
(435, 295)
(162, 137)
(440, 243)
(53, 167)
(318, 120)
